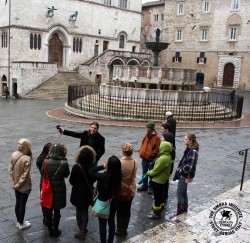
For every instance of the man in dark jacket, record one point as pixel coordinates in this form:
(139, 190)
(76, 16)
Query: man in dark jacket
(172, 121)
(92, 138)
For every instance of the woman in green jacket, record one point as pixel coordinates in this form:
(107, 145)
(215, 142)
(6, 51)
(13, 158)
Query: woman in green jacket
(58, 170)
(160, 174)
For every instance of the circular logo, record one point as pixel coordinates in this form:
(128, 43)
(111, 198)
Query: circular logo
(225, 218)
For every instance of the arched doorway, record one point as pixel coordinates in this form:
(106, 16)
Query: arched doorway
(228, 75)
(56, 50)
(4, 84)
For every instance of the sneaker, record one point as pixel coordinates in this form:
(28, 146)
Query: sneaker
(18, 224)
(142, 188)
(150, 191)
(25, 225)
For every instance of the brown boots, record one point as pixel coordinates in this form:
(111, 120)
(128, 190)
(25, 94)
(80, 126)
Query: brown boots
(80, 235)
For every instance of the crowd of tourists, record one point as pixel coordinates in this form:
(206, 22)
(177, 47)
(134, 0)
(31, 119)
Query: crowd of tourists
(104, 190)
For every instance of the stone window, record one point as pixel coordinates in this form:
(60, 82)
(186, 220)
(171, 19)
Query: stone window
(77, 45)
(162, 17)
(35, 41)
(123, 4)
(156, 17)
(4, 39)
(206, 6)
(180, 8)
(204, 34)
(177, 57)
(179, 35)
(235, 4)
(233, 33)
(201, 59)
(122, 41)
(107, 2)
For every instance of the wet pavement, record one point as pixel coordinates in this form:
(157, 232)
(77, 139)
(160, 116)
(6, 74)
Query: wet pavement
(219, 169)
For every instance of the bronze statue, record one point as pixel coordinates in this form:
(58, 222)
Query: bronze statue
(50, 11)
(73, 16)
(157, 34)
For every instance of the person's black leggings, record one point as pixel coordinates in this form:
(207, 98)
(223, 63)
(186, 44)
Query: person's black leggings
(21, 200)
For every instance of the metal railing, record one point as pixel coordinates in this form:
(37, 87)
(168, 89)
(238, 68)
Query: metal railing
(214, 107)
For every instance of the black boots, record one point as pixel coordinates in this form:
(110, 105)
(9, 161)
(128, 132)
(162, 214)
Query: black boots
(122, 226)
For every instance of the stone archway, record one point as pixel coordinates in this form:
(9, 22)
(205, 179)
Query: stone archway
(115, 61)
(56, 50)
(223, 61)
(58, 43)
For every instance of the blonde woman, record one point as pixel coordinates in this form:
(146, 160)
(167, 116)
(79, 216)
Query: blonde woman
(19, 175)
(129, 169)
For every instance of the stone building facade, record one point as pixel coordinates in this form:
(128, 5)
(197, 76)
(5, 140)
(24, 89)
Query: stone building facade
(38, 38)
(210, 36)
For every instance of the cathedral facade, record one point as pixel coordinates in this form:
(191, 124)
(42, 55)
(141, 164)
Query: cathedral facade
(38, 38)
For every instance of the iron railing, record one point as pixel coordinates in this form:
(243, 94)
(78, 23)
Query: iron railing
(214, 107)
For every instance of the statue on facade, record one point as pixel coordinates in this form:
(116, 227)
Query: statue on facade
(50, 11)
(73, 16)
(157, 34)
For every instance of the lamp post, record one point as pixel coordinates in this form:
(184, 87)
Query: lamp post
(8, 83)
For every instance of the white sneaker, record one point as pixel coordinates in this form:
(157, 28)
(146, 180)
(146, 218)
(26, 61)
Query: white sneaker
(18, 224)
(25, 225)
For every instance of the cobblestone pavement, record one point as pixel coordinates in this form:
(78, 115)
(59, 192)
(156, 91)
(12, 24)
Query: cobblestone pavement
(219, 168)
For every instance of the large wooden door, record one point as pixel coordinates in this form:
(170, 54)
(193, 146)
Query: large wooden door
(228, 75)
(56, 50)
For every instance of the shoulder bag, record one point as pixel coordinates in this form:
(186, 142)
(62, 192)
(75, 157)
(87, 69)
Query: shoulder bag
(46, 195)
(91, 201)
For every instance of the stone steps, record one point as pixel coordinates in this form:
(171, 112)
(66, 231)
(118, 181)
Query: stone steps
(57, 86)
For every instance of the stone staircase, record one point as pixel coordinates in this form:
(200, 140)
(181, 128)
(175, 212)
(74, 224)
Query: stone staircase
(56, 87)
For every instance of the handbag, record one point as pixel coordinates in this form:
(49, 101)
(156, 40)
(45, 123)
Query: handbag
(46, 195)
(126, 193)
(91, 201)
(101, 209)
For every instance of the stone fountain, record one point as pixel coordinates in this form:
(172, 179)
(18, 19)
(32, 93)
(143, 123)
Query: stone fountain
(156, 46)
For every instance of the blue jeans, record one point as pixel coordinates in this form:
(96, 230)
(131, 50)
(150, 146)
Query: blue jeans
(182, 192)
(146, 166)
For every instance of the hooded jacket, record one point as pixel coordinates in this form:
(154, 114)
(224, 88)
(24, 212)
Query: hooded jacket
(57, 169)
(19, 167)
(162, 166)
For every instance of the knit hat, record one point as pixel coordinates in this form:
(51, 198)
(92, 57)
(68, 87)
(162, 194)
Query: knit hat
(168, 113)
(151, 125)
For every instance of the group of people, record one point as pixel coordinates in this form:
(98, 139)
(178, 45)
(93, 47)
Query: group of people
(158, 155)
(112, 177)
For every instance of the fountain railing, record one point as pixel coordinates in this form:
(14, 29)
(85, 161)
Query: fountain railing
(120, 103)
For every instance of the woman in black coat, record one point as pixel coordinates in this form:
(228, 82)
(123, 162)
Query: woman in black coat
(82, 187)
(58, 170)
(108, 189)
